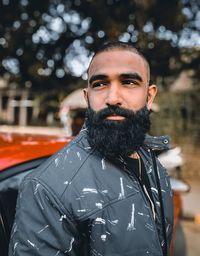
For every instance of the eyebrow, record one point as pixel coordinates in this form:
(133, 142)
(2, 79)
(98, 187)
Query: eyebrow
(97, 77)
(135, 76)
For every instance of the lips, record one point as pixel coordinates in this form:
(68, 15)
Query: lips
(115, 117)
(114, 113)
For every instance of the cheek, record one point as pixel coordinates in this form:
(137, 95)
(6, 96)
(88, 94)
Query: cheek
(96, 101)
(136, 100)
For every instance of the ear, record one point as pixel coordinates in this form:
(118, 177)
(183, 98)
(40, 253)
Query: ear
(85, 91)
(152, 91)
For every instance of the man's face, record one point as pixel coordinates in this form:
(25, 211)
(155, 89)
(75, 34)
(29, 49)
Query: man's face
(119, 100)
(119, 78)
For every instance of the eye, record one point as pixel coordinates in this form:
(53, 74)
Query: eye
(130, 82)
(98, 85)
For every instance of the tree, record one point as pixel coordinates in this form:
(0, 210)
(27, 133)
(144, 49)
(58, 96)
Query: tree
(47, 43)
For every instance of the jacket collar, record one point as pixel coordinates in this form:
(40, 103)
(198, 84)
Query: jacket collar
(157, 143)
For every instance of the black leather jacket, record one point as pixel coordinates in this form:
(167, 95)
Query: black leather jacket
(78, 203)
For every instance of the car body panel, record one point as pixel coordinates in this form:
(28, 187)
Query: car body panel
(19, 148)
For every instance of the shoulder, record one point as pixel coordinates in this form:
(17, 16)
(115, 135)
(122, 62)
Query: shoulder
(60, 169)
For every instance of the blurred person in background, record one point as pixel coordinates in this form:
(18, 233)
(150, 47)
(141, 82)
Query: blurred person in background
(105, 193)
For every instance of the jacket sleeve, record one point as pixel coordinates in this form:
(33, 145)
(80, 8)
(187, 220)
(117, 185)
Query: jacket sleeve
(42, 226)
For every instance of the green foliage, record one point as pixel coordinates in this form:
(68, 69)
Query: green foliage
(40, 40)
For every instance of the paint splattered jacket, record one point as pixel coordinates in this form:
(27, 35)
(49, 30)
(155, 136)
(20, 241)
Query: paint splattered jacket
(79, 203)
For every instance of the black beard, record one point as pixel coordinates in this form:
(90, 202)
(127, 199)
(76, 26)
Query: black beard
(113, 138)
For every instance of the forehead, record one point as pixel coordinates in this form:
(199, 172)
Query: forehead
(118, 61)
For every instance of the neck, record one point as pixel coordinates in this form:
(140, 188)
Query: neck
(134, 155)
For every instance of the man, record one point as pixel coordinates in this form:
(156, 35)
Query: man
(105, 193)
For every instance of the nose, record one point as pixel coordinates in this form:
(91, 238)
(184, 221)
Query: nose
(114, 96)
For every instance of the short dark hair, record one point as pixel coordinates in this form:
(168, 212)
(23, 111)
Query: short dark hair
(109, 46)
(118, 45)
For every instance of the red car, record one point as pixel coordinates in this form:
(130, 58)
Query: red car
(20, 154)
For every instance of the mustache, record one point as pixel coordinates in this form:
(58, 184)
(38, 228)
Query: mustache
(114, 110)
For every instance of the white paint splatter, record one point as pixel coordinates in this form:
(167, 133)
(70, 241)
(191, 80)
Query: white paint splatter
(99, 205)
(56, 162)
(84, 129)
(104, 191)
(32, 244)
(154, 189)
(57, 253)
(103, 164)
(41, 230)
(87, 148)
(143, 214)
(158, 173)
(129, 186)
(167, 229)
(166, 181)
(62, 217)
(103, 237)
(113, 222)
(163, 190)
(121, 195)
(13, 230)
(149, 170)
(36, 188)
(158, 203)
(81, 210)
(70, 246)
(100, 221)
(90, 190)
(132, 223)
(79, 155)
(66, 182)
(20, 195)
(15, 245)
